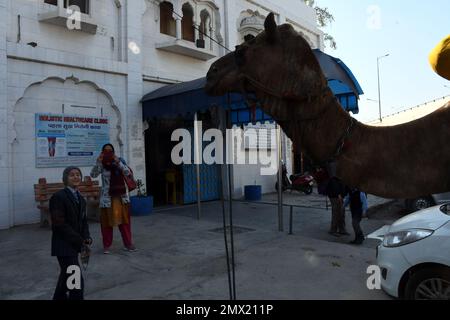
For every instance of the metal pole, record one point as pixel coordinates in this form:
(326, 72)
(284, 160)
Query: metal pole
(291, 218)
(379, 93)
(379, 89)
(280, 181)
(223, 192)
(230, 208)
(224, 221)
(197, 160)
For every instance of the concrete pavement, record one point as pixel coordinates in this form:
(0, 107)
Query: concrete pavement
(180, 257)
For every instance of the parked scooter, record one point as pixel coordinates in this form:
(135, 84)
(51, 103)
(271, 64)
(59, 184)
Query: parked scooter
(299, 182)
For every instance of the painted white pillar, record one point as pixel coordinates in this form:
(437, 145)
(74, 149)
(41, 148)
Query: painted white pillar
(208, 40)
(119, 30)
(196, 31)
(226, 18)
(133, 150)
(178, 15)
(178, 28)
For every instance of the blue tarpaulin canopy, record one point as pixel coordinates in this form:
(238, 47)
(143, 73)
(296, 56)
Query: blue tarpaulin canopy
(340, 80)
(190, 97)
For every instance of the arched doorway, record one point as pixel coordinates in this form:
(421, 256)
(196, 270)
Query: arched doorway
(53, 95)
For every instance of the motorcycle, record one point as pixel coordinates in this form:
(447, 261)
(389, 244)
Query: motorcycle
(299, 182)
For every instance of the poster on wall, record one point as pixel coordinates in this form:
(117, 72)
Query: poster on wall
(66, 140)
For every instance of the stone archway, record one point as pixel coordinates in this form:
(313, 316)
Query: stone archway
(59, 96)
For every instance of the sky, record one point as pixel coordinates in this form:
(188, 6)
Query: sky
(407, 30)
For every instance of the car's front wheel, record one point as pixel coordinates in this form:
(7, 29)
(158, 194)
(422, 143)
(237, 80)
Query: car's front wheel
(419, 204)
(429, 284)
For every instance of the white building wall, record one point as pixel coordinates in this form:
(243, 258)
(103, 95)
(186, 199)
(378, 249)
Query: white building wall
(251, 174)
(66, 68)
(65, 41)
(110, 71)
(4, 154)
(133, 125)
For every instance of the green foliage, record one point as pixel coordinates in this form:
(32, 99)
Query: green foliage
(324, 18)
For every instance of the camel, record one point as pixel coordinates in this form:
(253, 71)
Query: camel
(279, 67)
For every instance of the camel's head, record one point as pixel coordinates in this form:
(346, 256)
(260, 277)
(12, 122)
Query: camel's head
(278, 58)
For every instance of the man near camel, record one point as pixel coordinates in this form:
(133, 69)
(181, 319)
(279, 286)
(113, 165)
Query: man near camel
(336, 194)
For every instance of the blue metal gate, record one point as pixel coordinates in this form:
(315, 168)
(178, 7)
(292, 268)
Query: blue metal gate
(209, 183)
(209, 180)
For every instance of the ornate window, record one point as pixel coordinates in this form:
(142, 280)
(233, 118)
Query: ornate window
(82, 4)
(167, 22)
(187, 23)
(251, 24)
(53, 12)
(196, 22)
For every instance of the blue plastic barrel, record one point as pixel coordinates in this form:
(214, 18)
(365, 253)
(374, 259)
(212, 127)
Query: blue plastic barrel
(141, 206)
(252, 193)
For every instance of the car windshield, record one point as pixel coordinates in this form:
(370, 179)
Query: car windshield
(446, 209)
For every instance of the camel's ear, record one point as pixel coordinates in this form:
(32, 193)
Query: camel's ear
(271, 28)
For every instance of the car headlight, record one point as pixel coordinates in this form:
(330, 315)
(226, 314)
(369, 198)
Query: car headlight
(401, 238)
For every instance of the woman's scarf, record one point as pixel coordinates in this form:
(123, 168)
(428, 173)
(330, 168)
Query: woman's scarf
(116, 182)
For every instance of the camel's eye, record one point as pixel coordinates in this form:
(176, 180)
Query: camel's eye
(249, 38)
(239, 56)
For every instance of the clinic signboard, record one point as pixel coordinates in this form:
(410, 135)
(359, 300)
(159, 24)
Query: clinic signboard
(63, 140)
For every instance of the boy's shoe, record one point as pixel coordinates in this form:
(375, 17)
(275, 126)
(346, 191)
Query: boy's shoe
(357, 241)
(131, 248)
(344, 233)
(106, 251)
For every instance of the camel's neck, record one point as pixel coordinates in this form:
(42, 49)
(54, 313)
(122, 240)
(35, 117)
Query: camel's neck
(393, 162)
(315, 126)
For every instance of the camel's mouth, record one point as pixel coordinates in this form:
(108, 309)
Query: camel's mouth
(221, 76)
(217, 86)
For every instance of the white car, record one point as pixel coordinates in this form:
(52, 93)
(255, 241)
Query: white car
(414, 256)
